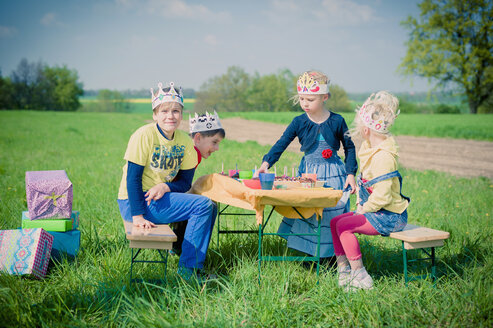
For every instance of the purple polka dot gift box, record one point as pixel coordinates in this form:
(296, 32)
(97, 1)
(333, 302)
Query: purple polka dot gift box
(49, 194)
(25, 251)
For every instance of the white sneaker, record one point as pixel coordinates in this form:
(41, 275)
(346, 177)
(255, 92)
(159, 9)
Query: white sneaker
(359, 279)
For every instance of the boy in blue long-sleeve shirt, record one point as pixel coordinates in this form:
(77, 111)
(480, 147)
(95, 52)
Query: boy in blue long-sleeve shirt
(159, 169)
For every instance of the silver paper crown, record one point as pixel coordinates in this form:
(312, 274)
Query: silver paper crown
(173, 95)
(205, 122)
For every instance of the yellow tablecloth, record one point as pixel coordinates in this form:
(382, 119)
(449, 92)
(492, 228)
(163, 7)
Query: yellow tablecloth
(226, 190)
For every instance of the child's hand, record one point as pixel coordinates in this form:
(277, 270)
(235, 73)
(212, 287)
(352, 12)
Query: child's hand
(262, 169)
(140, 222)
(156, 192)
(351, 182)
(360, 209)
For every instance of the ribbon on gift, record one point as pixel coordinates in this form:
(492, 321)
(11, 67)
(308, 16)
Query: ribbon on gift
(54, 197)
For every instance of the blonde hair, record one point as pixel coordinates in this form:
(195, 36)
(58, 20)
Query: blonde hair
(166, 105)
(381, 106)
(317, 76)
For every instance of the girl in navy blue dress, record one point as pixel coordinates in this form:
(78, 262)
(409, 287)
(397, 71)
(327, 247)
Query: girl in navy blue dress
(320, 133)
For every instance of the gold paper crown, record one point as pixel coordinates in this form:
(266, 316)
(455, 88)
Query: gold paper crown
(307, 85)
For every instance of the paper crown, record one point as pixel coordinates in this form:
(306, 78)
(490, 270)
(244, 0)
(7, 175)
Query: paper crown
(205, 122)
(172, 95)
(380, 124)
(308, 86)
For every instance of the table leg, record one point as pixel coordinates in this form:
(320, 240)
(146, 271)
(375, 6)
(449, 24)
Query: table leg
(260, 232)
(218, 223)
(319, 233)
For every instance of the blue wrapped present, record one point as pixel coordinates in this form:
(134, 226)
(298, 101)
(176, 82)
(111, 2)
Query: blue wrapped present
(65, 244)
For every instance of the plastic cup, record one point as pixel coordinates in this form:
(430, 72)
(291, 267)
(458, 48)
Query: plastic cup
(246, 174)
(232, 172)
(267, 180)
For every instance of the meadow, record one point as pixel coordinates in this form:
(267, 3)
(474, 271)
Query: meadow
(455, 126)
(93, 289)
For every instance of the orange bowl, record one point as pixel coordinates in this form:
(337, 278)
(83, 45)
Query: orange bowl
(252, 183)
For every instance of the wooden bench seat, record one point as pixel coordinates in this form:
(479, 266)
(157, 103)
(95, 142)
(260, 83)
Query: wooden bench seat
(158, 238)
(416, 237)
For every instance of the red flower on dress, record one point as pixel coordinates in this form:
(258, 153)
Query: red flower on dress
(327, 153)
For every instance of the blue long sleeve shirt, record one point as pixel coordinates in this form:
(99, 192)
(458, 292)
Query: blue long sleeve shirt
(181, 183)
(333, 130)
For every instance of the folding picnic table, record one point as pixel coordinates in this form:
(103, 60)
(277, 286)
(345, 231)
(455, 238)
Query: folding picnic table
(299, 203)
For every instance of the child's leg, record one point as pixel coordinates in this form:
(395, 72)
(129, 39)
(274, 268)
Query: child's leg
(179, 230)
(342, 261)
(346, 228)
(338, 249)
(198, 210)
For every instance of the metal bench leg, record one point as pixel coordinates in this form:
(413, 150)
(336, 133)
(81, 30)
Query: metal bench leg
(132, 262)
(431, 258)
(164, 260)
(404, 257)
(433, 266)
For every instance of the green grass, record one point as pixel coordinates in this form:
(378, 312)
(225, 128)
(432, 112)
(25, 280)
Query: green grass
(455, 126)
(93, 290)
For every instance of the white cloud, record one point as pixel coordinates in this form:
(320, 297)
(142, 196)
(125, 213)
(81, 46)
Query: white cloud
(346, 11)
(50, 19)
(177, 9)
(7, 32)
(211, 40)
(330, 12)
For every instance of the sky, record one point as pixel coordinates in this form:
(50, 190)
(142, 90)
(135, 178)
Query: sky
(130, 44)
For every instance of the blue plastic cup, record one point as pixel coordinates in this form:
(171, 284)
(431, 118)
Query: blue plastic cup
(267, 180)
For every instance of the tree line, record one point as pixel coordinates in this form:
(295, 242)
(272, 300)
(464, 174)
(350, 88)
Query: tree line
(38, 86)
(237, 91)
(450, 43)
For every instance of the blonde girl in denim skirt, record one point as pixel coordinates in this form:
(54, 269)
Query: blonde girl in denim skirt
(381, 207)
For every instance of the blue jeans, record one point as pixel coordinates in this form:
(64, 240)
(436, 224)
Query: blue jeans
(200, 212)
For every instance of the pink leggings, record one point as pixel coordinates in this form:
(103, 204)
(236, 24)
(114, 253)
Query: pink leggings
(343, 228)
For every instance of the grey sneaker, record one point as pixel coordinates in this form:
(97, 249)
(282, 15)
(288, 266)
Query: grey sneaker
(344, 276)
(359, 280)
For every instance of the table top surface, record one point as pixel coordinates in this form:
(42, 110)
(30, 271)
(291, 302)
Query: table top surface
(226, 190)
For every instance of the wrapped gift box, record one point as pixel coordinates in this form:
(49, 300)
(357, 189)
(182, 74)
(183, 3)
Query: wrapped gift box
(49, 194)
(60, 225)
(65, 244)
(25, 251)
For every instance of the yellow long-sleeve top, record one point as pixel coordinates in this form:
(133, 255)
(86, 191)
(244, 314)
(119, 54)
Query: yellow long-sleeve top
(378, 161)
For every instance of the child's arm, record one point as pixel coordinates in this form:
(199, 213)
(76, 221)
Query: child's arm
(349, 157)
(381, 196)
(135, 195)
(280, 146)
(183, 181)
(349, 149)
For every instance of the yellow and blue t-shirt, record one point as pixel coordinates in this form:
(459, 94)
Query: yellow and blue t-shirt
(160, 157)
